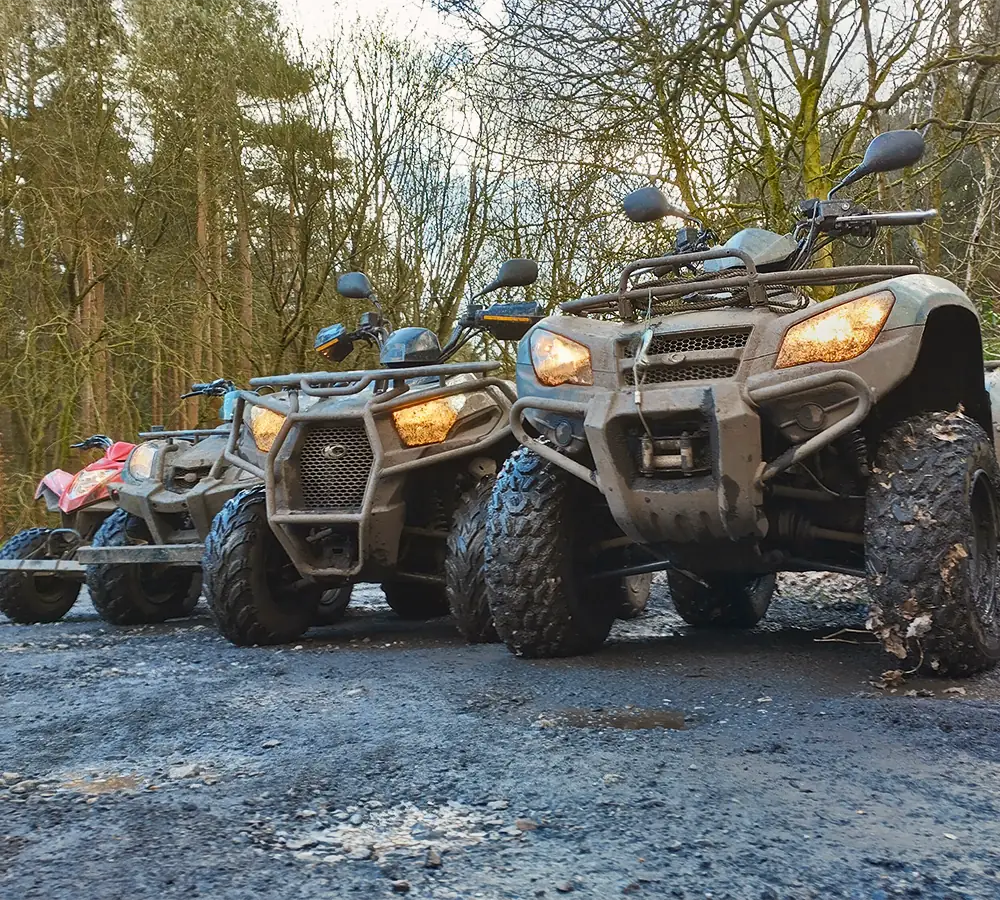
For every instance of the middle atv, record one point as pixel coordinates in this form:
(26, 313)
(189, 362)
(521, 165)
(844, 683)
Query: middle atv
(371, 475)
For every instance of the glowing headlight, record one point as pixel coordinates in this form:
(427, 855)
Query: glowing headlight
(85, 482)
(140, 461)
(558, 360)
(264, 426)
(837, 334)
(428, 422)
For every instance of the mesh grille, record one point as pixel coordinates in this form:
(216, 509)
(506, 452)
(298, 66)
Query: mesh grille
(693, 372)
(687, 343)
(334, 467)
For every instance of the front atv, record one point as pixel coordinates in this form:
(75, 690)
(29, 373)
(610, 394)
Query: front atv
(370, 475)
(730, 429)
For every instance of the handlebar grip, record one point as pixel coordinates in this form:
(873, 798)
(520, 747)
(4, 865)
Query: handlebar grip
(889, 219)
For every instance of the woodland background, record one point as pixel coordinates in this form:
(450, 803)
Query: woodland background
(182, 180)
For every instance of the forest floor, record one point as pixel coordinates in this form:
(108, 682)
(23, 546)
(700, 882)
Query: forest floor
(380, 758)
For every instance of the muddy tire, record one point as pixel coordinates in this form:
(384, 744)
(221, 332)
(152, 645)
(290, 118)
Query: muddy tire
(465, 565)
(128, 594)
(538, 532)
(413, 600)
(636, 590)
(729, 601)
(333, 605)
(251, 585)
(932, 523)
(31, 599)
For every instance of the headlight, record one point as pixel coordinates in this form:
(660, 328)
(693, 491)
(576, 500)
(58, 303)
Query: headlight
(558, 360)
(264, 426)
(85, 482)
(837, 334)
(140, 461)
(428, 422)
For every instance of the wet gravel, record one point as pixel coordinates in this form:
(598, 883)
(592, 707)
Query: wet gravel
(380, 758)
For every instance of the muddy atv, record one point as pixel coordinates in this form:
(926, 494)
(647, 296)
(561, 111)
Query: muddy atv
(144, 564)
(377, 475)
(731, 428)
(40, 577)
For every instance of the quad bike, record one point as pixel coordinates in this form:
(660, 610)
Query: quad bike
(39, 578)
(732, 428)
(370, 475)
(143, 565)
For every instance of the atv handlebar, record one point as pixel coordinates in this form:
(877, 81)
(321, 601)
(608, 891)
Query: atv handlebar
(94, 442)
(210, 388)
(889, 219)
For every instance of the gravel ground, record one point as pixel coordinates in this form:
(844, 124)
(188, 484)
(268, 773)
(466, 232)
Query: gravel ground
(379, 758)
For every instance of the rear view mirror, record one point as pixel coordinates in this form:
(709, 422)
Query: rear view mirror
(355, 285)
(513, 273)
(334, 342)
(511, 321)
(647, 204)
(888, 152)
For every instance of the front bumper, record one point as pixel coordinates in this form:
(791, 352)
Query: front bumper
(723, 502)
(342, 466)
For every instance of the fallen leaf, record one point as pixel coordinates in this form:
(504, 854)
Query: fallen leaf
(956, 690)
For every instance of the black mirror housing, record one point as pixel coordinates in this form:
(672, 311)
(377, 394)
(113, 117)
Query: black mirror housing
(355, 285)
(334, 343)
(888, 152)
(510, 321)
(513, 273)
(648, 204)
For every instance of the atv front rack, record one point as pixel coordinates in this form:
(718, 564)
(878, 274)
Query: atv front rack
(757, 286)
(391, 393)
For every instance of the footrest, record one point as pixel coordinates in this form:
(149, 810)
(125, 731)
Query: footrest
(171, 554)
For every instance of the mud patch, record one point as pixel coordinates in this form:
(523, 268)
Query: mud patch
(627, 719)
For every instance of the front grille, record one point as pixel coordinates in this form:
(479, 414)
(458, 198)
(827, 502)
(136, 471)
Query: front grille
(708, 371)
(689, 342)
(334, 466)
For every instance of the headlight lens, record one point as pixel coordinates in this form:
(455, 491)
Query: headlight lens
(140, 461)
(264, 426)
(85, 482)
(558, 360)
(428, 422)
(837, 334)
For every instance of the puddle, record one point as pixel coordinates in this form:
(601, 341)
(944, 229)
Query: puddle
(628, 719)
(110, 784)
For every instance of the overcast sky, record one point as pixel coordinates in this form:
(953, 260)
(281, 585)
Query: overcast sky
(317, 19)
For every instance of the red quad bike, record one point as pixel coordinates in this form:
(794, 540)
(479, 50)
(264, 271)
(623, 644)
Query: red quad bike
(39, 578)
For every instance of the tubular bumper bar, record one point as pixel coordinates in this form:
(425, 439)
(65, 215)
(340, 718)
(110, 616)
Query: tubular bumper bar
(754, 396)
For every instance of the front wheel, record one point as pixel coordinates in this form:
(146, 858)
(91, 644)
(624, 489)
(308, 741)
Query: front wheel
(932, 523)
(721, 601)
(251, 585)
(134, 594)
(32, 599)
(540, 530)
(465, 566)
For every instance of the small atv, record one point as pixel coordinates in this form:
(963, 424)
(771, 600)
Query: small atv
(39, 578)
(143, 565)
(370, 475)
(732, 428)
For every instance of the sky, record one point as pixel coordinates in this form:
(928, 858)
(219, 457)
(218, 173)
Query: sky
(318, 19)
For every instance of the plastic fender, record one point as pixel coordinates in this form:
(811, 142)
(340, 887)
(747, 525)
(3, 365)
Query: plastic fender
(55, 482)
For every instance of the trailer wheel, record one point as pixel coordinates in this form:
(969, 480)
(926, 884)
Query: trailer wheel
(130, 594)
(252, 587)
(636, 590)
(465, 564)
(538, 534)
(729, 601)
(31, 599)
(333, 605)
(415, 600)
(932, 522)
